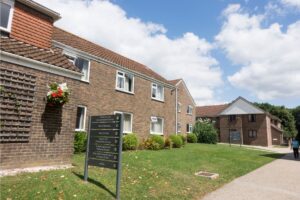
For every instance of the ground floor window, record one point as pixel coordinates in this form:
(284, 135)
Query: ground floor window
(189, 128)
(252, 133)
(80, 118)
(178, 127)
(157, 125)
(127, 123)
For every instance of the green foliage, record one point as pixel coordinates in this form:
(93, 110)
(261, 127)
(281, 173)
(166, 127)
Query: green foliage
(284, 114)
(191, 138)
(168, 143)
(176, 140)
(296, 114)
(80, 140)
(184, 139)
(206, 132)
(154, 142)
(130, 142)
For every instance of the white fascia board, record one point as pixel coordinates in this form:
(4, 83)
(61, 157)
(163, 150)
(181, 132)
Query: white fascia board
(33, 64)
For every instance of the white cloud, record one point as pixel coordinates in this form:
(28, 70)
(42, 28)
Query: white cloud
(292, 3)
(108, 25)
(269, 56)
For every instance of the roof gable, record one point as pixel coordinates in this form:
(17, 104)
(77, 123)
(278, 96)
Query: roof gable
(241, 106)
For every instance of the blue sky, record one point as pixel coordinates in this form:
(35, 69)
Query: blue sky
(222, 48)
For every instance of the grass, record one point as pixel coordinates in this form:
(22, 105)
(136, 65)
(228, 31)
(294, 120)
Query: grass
(165, 174)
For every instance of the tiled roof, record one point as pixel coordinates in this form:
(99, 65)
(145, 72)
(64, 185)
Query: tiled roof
(76, 42)
(43, 55)
(210, 111)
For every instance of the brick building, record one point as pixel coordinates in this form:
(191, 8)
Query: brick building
(252, 125)
(35, 53)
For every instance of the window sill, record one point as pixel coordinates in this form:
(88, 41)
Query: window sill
(159, 100)
(189, 114)
(156, 133)
(80, 130)
(124, 91)
(85, 81)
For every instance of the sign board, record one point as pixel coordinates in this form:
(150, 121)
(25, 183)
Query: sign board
(235, 136)
(104, 148)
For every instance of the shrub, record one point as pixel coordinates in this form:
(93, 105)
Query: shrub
(183, 138)
(130, 142)
(168, 143)
(80, 140)
(154, 142)
(176, 140)
(206, 132)
(191, 138)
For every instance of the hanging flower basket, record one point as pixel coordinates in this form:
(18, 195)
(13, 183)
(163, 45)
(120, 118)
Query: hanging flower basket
(58, 94)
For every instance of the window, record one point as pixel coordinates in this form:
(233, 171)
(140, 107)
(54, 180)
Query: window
(189, 128)
(179, 107)
(178, 127)
(6, 12)
(80, 118)
(189, 110)
(157, 92)
(157, 125)
(127, 123)
(124, 82)
(252, 118)
(231, 118)
(252, 133)
(84, 66)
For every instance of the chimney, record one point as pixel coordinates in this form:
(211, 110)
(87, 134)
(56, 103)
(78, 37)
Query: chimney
(31, 23)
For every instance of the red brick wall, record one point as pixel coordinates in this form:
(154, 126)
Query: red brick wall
(31, 26)
(276, 136)
(51, 134)
(100, 97)
(185, 100)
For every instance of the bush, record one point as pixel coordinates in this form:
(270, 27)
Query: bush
(168, 143)
(183, 138)
(191, 138)
(206, 132)
(176, 140)
(80, 140)
(130, 142)
(154, 142)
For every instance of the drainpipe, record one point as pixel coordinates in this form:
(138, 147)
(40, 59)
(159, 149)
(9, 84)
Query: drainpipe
(176, 109)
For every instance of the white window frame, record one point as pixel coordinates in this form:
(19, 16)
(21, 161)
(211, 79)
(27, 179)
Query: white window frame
(155, 85)
(123, 89)
(84, 118)
(131, 125)
(179, 105)
(178, 127)
(190, 108)
(11, 3)
(190, 128)
(68, 54)
(163, 123)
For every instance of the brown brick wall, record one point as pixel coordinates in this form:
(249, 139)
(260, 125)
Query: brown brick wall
(100, 97)
(185, 100)
(51, 135)
(31, 26)
(276, 136)
(243, 125)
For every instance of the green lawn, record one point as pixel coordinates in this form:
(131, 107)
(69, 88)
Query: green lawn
(165, 174)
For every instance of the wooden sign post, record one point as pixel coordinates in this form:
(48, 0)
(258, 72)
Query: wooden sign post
(104, 145)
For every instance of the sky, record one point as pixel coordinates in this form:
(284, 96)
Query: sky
(221, 48)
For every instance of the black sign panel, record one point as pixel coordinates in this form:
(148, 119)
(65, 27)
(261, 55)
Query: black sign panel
(104, 156)
(110, 133)
(102, 163)
(104, 148)
(105, 126)
(104, 141)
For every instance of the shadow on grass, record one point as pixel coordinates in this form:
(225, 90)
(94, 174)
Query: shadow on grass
(97, 183)
(288, 156)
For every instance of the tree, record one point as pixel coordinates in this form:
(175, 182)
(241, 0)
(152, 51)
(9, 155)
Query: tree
(206, 132)
(284, 114)
(296, 114)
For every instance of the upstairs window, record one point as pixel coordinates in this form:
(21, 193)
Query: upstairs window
(232, 118)
(84, 66)
(80, 118)
(189, 110)
(127, 122)
(157, 125)
(124, 82)
(157, 92)
(179, 107)
(6, 13)
(252, 118)
(189, 128)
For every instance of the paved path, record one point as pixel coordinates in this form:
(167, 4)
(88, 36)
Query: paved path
(278, 180)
